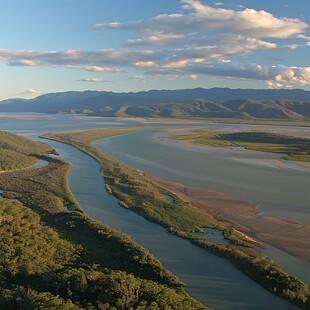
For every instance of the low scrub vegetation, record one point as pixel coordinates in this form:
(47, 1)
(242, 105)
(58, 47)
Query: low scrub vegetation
(10, 160)
(17, 152)
(294, 148)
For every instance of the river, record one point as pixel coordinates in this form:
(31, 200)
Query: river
(210, 279)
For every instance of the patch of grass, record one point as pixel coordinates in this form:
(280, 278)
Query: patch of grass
(295, 148)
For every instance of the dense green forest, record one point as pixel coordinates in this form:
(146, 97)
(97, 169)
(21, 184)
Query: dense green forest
(45, 268)
(147, 198)
(295, 148)
(54, 259)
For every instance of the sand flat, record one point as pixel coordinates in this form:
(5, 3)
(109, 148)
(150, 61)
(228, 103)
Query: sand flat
(286, 235)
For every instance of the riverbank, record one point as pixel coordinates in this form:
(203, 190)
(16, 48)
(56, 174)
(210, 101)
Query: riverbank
(131, 188)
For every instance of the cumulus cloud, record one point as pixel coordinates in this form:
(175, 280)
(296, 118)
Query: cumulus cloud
(204, 20)
(289, 77)
(93, 80)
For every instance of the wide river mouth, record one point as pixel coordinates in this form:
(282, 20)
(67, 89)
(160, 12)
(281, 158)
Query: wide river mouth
(211, 280)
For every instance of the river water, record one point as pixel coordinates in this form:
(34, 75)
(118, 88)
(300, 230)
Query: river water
(282, 193)
(212, 280)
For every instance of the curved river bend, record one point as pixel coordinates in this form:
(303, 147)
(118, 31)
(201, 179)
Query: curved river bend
(211, 280)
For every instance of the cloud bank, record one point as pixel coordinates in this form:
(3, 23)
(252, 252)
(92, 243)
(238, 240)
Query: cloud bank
(93, 80)
(200, 41)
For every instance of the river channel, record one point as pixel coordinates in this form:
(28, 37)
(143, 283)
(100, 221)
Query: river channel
(211, 280)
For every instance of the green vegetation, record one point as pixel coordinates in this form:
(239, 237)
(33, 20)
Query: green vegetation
(16, 152)
(53, 259)
(76, 265)
(22, 145)
(10, 160)
(44, 189)
(295, 148)
(26, 245)
(147, 198)
(259, 268)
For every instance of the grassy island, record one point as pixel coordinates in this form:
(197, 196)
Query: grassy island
(54, 259)
(295, 148)
(144, 196)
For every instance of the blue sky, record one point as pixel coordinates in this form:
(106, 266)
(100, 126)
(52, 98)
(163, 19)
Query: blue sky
(132, 45)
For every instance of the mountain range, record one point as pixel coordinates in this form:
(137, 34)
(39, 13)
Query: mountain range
(198, 102)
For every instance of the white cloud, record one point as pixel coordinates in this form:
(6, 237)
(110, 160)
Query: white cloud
(138, 78)
(202, 41)
(30, 92)
(25, 63)
(191, 62)
(289, 77)
(275, 76)
(102, 69)
(204, 20)
(93, 80)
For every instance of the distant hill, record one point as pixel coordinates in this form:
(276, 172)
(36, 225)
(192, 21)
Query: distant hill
(268, 109)
(198, 102)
